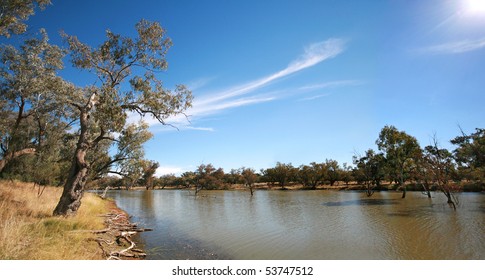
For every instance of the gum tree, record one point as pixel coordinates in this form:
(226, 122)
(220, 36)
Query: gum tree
(13, 13)
(399, 150)
(126, 83)
(29, 87)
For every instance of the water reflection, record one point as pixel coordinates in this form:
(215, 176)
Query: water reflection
(306, 225)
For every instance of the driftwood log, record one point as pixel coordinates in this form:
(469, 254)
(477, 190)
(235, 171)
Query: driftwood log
(115, 241)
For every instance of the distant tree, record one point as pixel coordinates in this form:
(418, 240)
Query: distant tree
(249, 177)
(440, 167)
(470, 154)
(208, 177)
(167, 180)
(188, 179)
(399, 150)
(346, 174)
(312, 175)
(126, 82)
(282, 174)
(233, 177)
(370, 170)
(333, 171)
(13, 13)
(149, 170)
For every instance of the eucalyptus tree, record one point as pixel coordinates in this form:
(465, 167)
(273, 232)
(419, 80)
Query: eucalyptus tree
(399, 149)
(208, 177)
(470, 154)
(249, 177)
(13, 13)
(370, 170)
(126, 83)
(312, 175)
(333, 171)
(439, 168)
(30, 88)
(282, 173)
(149, 169)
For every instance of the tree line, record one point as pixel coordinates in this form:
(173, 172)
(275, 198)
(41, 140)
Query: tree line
(399, 161)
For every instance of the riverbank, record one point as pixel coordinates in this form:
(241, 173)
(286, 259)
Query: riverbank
(339, 186)
(29, 231)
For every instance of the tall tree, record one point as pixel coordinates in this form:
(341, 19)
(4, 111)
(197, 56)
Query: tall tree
(440, 168)
(29, 86)
(399, 150)
(126, 83)
(333, 171)
(470, 154)
(13, 13)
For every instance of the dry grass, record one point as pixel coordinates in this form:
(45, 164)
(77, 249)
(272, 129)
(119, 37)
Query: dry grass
(28, 230)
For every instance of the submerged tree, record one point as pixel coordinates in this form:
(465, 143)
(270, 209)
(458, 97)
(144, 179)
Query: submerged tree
(440, 167)
(399, 149)
(249, 177)
(369, 170)
(126, 83)
(208, 177)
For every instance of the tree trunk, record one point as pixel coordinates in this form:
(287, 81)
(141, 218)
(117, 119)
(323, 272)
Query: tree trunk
(70, 200)
(74, 187)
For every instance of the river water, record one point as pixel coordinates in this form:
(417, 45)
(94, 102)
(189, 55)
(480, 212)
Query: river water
(304, 225)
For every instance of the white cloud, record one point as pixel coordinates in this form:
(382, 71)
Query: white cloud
(165, 170)
(332, 84)
(247, 94)
(314, 97)
(313, 54)
(456, 47)
(200, 128)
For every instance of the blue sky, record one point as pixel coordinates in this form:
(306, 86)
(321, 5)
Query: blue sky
(299, 81)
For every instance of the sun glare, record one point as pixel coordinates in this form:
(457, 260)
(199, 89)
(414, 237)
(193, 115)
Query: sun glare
(475, 6)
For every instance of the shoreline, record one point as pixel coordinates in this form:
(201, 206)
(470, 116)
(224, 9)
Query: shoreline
(115, 241)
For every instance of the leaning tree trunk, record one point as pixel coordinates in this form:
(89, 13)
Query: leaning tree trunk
(70, 200)
(74, 187)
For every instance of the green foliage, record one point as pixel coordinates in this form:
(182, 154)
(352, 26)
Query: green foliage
(399, 150)
(14, 12)
(282, 174)
(312, 175)
(470, 154)
(208, 177)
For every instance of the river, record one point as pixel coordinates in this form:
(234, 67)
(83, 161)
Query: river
(318, 225)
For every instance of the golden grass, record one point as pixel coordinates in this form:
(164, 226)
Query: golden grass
(29, 231)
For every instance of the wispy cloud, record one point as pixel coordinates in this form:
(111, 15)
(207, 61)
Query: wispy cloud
(200, 128)
(455, 47)
(314, 97)
(313, 54)
(332, 84)
(250, 93)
